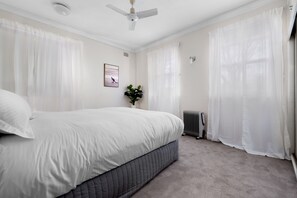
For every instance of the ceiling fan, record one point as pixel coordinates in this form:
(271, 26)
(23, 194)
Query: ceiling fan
(134, 16)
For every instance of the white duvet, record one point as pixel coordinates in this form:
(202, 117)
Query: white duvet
(72, 147)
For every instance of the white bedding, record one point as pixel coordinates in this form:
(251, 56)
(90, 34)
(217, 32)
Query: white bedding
(72, 147)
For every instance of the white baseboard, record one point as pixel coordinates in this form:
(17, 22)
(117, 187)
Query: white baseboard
(294, 162)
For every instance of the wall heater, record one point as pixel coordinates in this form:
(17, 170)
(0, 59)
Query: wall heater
(194, 123)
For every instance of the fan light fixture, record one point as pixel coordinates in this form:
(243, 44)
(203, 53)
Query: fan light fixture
(62, 8)
(132, 15)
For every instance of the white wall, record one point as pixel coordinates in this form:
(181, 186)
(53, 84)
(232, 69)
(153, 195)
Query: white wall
(133, 70)
(95, 55)
(194, 77)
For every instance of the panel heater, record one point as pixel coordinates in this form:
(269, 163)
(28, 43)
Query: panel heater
(194, 123)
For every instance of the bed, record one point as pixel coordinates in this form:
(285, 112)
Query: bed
(108, 152)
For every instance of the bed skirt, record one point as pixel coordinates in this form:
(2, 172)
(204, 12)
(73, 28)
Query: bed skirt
(126, 179)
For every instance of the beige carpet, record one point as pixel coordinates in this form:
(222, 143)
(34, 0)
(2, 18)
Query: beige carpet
(206, 169)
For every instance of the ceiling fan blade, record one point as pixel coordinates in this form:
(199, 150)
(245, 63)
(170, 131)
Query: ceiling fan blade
(147, 13)
(132, 25)
(117, 10)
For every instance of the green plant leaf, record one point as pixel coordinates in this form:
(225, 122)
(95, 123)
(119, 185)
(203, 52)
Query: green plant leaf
(134, 94)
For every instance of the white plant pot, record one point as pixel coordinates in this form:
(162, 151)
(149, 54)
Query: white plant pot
(133, 106)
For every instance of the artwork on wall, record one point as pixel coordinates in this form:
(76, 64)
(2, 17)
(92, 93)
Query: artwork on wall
(111, 75)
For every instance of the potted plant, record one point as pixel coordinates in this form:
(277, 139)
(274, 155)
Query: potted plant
(134, 94)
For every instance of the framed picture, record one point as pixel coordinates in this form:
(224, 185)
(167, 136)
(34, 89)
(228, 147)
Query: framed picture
(111, 75)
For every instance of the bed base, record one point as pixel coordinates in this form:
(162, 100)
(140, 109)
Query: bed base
(128, 178)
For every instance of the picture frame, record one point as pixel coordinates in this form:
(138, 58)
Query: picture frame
(111, 75)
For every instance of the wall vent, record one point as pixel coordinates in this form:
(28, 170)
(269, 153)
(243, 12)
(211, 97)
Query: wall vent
(126, 54)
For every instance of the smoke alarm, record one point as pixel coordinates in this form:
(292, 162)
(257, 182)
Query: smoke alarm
(61, 8)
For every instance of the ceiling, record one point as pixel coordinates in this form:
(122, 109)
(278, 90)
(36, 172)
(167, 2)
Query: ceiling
(94, 19)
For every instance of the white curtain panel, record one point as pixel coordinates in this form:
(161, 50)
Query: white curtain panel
(43, 67)
(164, 79)
(246, 103)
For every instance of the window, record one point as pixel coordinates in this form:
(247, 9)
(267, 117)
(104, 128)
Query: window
(164, 79)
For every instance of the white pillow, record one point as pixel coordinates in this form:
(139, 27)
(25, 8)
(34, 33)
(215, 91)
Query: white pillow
(15, 114)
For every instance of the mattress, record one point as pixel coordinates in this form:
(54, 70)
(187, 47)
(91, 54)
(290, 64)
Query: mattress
(72, 147)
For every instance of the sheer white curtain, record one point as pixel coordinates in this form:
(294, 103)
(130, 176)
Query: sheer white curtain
(246, 86)
(43, 67)
(164, 79)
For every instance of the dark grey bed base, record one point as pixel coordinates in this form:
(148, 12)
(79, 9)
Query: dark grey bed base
(125, 180)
